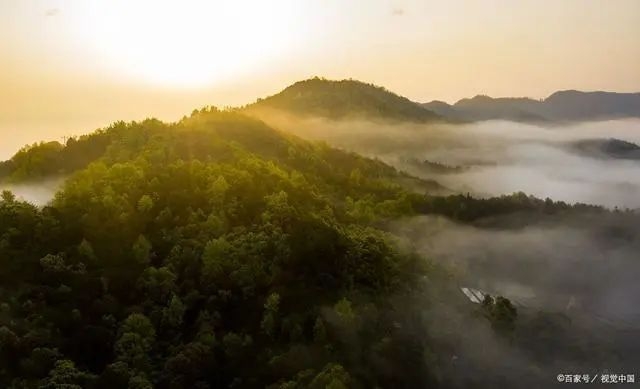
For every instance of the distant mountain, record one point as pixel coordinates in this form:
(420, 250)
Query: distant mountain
(481, 107)
(607, 148)
(575, 105)
(441, 108)
(560, 106)
(345, 99)
(435, 167)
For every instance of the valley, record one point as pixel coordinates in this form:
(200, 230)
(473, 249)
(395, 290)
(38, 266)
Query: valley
(347, 231)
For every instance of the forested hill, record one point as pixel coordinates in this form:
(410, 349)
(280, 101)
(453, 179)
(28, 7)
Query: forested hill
(208, 135)
(214, 252)
(345, 99)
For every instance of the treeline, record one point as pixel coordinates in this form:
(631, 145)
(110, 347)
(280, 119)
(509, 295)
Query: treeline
(467, 208)
(46, 159)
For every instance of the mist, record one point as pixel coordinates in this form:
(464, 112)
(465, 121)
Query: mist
(571, 276)
(37, 193)
(495, 157)
(585, 264)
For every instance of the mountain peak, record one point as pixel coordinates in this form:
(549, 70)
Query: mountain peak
(338, 99)
(482, 98)
(565, 93)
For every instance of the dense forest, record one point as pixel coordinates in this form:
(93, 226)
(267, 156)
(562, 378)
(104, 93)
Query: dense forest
(219, 252)
(214, 252)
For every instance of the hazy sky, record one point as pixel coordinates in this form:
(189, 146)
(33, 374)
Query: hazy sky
(67, 67)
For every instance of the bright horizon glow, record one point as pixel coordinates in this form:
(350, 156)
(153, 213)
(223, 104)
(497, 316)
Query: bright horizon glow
(70, 66)
(190, 44)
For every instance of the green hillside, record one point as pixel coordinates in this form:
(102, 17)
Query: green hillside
(345, 99)
(213, 252)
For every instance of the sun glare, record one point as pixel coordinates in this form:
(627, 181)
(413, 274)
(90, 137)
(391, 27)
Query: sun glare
(189, 43)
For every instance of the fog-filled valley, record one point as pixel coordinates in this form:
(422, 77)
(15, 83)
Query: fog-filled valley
(580, 269)
(572, 279)
(580, 265)
(362, 244)
(576, 162)
(572, 162)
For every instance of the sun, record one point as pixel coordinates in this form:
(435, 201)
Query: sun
(188, 43)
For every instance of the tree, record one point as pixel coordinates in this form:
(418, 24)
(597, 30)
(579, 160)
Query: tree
(85, 249)
(333, 376)
(145, 204)
(65, 375)
(501, 313)
(270, 315)
(139, 382)
(157, 284)
(319, 331)
(8, 196)
(142, 250)
(137, 337)
(174, 312)
(344, 310)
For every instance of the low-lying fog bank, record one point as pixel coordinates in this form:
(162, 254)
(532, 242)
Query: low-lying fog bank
(38, 193)
(583, 265)
(577, 162)
(572, 279)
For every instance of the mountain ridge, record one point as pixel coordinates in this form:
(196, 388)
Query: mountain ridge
(353, 99)
(563, 105)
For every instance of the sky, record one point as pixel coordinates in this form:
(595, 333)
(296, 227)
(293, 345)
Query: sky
(70, 66)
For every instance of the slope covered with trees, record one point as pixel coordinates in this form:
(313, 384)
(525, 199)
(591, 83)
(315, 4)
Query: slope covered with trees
(345, 99)
(214, 252)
